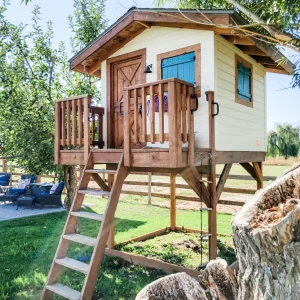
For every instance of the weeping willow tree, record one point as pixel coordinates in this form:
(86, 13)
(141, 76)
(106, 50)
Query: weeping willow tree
(284, 141)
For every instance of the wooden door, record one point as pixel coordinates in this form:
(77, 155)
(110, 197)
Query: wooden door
(126, 70)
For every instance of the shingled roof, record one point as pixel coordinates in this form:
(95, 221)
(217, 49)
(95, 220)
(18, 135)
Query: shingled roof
(136, 20)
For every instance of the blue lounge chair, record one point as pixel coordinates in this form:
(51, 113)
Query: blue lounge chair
(51, 197)
(13, 193)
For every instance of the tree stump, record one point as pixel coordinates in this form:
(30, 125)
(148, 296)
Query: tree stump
(266, 234)
(178, 286)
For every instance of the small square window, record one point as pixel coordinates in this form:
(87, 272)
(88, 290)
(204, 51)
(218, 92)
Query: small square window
(243, 82)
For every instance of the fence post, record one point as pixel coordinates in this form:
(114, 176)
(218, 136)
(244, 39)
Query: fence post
(4, 165)
(149, 187)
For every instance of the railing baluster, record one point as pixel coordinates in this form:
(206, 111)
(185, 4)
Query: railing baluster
(135, 116)
(68, 124)
(127, 135)
(190, 120)
(152, 115)
(178, 119)
(144, 115)
(63, 124)
(161, 113)
(87, 137)
(183, 114)
(74, 111)
(80, 122)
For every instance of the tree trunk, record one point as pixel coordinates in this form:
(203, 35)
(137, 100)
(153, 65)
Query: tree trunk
(71, 181)
(266, 233)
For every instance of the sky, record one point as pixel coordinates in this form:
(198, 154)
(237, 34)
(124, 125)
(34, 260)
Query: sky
(283, 102)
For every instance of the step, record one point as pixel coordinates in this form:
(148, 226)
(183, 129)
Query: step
(206, 208)
(73, 264)
(103, 171)
(94, 192)
(87, 215)
(64, 291)
(82, 239)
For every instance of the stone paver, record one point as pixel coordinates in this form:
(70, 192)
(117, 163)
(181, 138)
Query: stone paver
(8, 211)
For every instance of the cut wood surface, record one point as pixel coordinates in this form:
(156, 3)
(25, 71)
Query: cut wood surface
(268, 252)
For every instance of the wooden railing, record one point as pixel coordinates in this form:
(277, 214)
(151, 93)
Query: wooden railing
(96, 120)
(143, 102)
(77, 124)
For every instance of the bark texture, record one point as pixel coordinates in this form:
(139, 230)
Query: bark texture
(71, 182)
(220, 280)
(178, 286)
(266, 233)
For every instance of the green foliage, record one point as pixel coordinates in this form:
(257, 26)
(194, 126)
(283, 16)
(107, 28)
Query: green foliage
(88, 22)
(281, 14)
(33, 74)
(284, 141)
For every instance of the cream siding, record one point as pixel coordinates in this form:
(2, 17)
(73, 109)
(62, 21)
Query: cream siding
(158, 40)
(238, 127)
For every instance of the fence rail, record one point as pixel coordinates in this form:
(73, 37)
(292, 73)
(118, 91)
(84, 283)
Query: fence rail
(150, 183)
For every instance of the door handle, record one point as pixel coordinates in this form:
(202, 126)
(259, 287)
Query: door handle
(120, 108)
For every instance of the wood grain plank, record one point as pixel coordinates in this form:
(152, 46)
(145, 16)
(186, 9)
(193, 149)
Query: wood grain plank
(68, 143)
(183, 113)
(63, 124)
(191, 136)
(136, 117)
(152, 114)
(161, 113)
(74, 125)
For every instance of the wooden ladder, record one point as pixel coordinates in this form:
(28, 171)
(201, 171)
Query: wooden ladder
(60, 260)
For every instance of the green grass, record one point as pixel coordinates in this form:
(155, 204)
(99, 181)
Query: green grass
(28, 246)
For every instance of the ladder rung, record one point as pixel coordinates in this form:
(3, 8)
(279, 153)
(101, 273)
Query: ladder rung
(64, 291)
(82, 239)
(94, 192)
(206, 208)
(103, 171)
(203, 235)
(73, 264)
(205, 181)
(87, 215)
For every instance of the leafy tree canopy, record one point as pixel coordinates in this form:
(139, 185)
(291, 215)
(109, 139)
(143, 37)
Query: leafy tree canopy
(33, 74)
(284, 141)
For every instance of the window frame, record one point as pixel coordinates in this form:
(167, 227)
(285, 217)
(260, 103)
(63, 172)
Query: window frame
(194, 48)
(248, 65)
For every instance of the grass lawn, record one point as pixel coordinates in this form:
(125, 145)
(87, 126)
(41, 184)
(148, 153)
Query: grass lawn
(28, 246)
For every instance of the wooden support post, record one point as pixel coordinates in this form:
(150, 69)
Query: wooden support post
(222, 180)
(173, 201)
(58, 124)
(212, 215)
(38, 179)
(4, 165)
(149, 187)
(111, 238)
(257, 166)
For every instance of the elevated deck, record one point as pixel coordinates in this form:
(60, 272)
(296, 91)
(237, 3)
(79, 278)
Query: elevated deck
(156, 133)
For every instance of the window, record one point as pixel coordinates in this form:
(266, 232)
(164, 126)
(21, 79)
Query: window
(180, 66)
(243, 82)
(183, 64)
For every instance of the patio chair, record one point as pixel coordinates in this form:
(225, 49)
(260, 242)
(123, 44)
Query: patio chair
(52, 197)
(4, 178)
(23, 185)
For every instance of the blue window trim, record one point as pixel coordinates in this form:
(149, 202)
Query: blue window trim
(176, 52)
(243, 82)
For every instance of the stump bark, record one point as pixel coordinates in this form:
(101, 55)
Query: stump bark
(178, 286)
(266, 234)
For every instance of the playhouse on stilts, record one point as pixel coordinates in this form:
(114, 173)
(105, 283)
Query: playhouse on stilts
(181, 93)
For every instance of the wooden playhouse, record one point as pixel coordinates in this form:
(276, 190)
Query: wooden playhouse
(181, 93)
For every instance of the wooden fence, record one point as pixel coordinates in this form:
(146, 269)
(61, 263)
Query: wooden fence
(148, 183)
